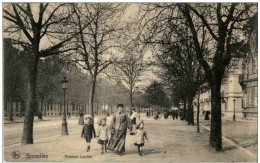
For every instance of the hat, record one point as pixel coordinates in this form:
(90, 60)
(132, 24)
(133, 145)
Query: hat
(120, 105)
(138, 123)
(87, 116)
(100, 119)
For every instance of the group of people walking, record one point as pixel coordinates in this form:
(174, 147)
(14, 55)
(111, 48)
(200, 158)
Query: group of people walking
(111, 134)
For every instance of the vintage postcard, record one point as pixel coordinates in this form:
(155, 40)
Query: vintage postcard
(130, 82)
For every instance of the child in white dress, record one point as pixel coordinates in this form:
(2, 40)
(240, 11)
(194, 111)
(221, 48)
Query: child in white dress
(140, 136)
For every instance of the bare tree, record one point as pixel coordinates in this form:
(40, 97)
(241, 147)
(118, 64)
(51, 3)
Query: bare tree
(181, 68)
(42, 30)
(98, 40)
(223, 28)
(128, 71)
(224, 23)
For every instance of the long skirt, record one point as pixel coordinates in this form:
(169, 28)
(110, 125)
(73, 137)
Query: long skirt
(81, 121)
(117, 142)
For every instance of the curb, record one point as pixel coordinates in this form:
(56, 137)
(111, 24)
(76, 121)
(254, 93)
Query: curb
(234, 144)
(23, 121)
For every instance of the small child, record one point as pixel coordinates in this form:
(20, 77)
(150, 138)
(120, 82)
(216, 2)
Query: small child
(140, 135)
(88, 130)
(102, 135)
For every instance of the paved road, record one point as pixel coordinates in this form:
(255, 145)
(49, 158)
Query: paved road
(170, 140)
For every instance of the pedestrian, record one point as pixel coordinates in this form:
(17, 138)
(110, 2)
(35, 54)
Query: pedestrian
(133, 116)
(165, 115)
(40, 115)
(69, 115)
(88, 131)
(118, 126)
(173, 114)
(81, 118)
(102, 135)
(176, 114)
(140, 136)
(147, 113)
(207, 115)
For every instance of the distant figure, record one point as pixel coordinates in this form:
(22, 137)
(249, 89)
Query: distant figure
(156, 115)
(166, 115)
(176, 114)
(81, 119)
(69, 115)
(207, 115)
(173, 114)
(133, 116)
(40, 115)
(147, 113)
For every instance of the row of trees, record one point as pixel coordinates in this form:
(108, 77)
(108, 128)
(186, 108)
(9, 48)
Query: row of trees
(86, 35)
(196, 43)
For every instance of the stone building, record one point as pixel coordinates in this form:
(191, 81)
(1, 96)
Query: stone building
(248, 79)
(231, 92)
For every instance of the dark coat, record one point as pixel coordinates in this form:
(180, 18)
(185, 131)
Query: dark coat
(88, 132)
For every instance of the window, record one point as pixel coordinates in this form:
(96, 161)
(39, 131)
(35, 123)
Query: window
(252, 99)
(255, 96)
(247, 96)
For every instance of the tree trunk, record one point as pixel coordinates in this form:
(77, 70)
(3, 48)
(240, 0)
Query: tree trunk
(190, 111)
(185, 110)
(198, 114)
(27, 137)
(91, 97)
(215, 128)
(131, 100)
(11, 109)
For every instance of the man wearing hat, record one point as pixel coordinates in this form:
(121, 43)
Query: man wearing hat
(119, 124)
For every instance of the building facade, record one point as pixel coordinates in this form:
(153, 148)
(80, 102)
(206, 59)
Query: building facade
(249, 78)
(231, 92)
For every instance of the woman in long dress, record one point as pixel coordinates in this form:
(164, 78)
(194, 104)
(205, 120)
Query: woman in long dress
(81, 118)
(118, 126)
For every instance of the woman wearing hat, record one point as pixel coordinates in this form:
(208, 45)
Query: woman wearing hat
(119, 124)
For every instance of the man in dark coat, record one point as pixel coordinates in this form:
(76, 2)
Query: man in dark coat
(118, 126)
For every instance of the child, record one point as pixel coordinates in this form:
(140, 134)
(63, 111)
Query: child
(88, 130)
(102, 135)
(140, 135)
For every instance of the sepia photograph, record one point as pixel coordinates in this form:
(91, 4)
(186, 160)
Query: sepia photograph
(129, 82)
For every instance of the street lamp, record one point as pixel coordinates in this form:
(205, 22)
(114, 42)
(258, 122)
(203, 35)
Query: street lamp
(234, 116)
(64, 130)
(224, 101)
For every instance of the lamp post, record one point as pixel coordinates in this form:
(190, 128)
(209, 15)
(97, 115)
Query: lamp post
(224, 101)
(234, 116)
(64, 130)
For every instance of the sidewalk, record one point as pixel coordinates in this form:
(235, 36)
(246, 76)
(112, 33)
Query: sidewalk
(169, 140)
(244, 133)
